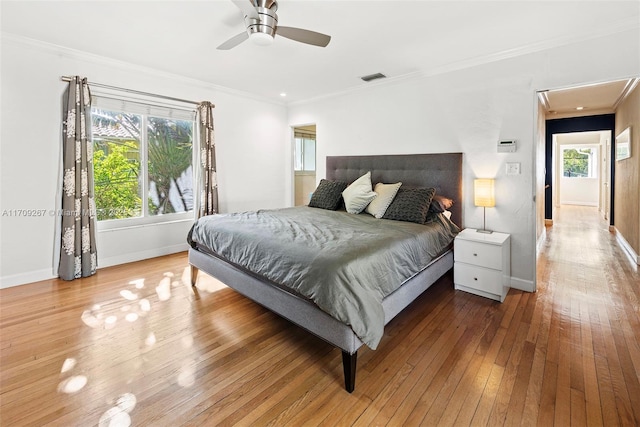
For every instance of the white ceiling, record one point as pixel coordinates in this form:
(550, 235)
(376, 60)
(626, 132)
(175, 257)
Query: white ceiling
(397, 38)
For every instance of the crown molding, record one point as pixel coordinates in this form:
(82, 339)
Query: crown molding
(80, 55)
(629, 87)
(626, 24)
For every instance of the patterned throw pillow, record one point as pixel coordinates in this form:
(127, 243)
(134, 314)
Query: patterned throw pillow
(410, 204)
(328, 195)
(440, 204)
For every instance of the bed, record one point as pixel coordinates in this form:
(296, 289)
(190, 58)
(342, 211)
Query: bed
(440, 171)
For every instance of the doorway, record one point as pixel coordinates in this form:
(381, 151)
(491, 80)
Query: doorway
(581, 170)
(598, 126)
(560, 112)
(304, 163)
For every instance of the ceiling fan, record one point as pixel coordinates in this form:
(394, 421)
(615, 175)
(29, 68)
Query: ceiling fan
(262, 25)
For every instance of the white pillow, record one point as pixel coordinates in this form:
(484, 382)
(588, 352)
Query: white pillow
(386, 193)
(358, 195)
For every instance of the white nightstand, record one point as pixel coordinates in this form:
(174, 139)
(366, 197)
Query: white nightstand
(482, 263)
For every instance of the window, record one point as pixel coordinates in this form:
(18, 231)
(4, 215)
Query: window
(305, 152)
(142, 161)
(579, 162)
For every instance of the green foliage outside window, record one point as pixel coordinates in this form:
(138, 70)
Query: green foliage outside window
(576, 162)
(116, 181)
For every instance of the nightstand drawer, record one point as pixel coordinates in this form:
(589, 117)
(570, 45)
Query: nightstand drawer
(484, 279)
(476, 253)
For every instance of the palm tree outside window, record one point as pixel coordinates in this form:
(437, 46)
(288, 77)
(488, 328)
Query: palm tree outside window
(142, 161)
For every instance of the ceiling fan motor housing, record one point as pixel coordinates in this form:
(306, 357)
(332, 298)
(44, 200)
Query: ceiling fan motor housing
(267, 20)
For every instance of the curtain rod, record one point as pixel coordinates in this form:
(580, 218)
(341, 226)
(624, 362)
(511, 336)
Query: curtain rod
(137, 92)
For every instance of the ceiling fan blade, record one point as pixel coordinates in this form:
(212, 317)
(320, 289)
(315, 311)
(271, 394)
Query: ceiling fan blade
(234, 41)
(304, 36)
(247, 8)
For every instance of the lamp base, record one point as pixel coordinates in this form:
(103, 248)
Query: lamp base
(484, 222)
(484, 231)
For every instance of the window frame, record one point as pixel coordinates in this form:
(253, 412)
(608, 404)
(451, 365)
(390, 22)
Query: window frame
(146, 219)
(304, 137)
(593, 171)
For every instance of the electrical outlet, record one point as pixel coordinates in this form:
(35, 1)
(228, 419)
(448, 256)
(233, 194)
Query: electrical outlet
(513, 169)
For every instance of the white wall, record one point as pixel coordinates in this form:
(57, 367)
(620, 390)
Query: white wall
(579, 191)
(252, 154)
(470, 110)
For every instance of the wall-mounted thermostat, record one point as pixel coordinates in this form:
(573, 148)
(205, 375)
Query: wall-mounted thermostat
(506, 147)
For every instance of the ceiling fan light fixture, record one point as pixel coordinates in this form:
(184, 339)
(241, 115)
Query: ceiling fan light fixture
(261, 21)
(261, 39)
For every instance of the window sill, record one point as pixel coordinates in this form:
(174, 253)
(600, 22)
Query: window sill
(112, 227)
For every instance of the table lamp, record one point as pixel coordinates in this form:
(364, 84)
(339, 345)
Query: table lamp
(484, 195)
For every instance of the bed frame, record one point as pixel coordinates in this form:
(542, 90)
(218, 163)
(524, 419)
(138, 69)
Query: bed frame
(441, 171)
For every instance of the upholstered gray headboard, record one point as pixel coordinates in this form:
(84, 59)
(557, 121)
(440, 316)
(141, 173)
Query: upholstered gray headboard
(441, 171)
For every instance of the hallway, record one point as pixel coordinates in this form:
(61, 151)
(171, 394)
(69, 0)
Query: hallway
(590, 290)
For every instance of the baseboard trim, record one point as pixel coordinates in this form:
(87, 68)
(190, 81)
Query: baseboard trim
(28, 277)
(523, 285)
(139, 256)
(633, 256)
(47, 273)
(578, 203)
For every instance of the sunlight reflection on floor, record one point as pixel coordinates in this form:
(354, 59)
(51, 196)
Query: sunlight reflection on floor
(150, 340)
(68, 365)
(187, 374)
(131, 306)
(118, 415)
(208, 284)
(72, 384)
(164, 287)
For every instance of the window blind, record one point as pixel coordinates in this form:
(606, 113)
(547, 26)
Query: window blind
(150, 107)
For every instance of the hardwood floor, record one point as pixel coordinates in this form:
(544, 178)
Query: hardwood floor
(135, 344)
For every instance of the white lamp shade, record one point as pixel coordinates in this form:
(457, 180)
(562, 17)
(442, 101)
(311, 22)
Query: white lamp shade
(484, 193)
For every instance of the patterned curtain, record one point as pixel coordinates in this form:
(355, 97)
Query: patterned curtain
(78, 247)
(209, 197)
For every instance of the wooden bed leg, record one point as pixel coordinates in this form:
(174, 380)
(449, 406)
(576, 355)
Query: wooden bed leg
(194, 275)
(349, 362)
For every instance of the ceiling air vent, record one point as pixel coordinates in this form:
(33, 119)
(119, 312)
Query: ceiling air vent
(373, 77)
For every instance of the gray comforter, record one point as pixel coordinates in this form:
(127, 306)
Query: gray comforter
(346, 264)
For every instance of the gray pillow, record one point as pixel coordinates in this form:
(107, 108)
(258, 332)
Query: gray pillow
(410, 204)
(328, 195)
